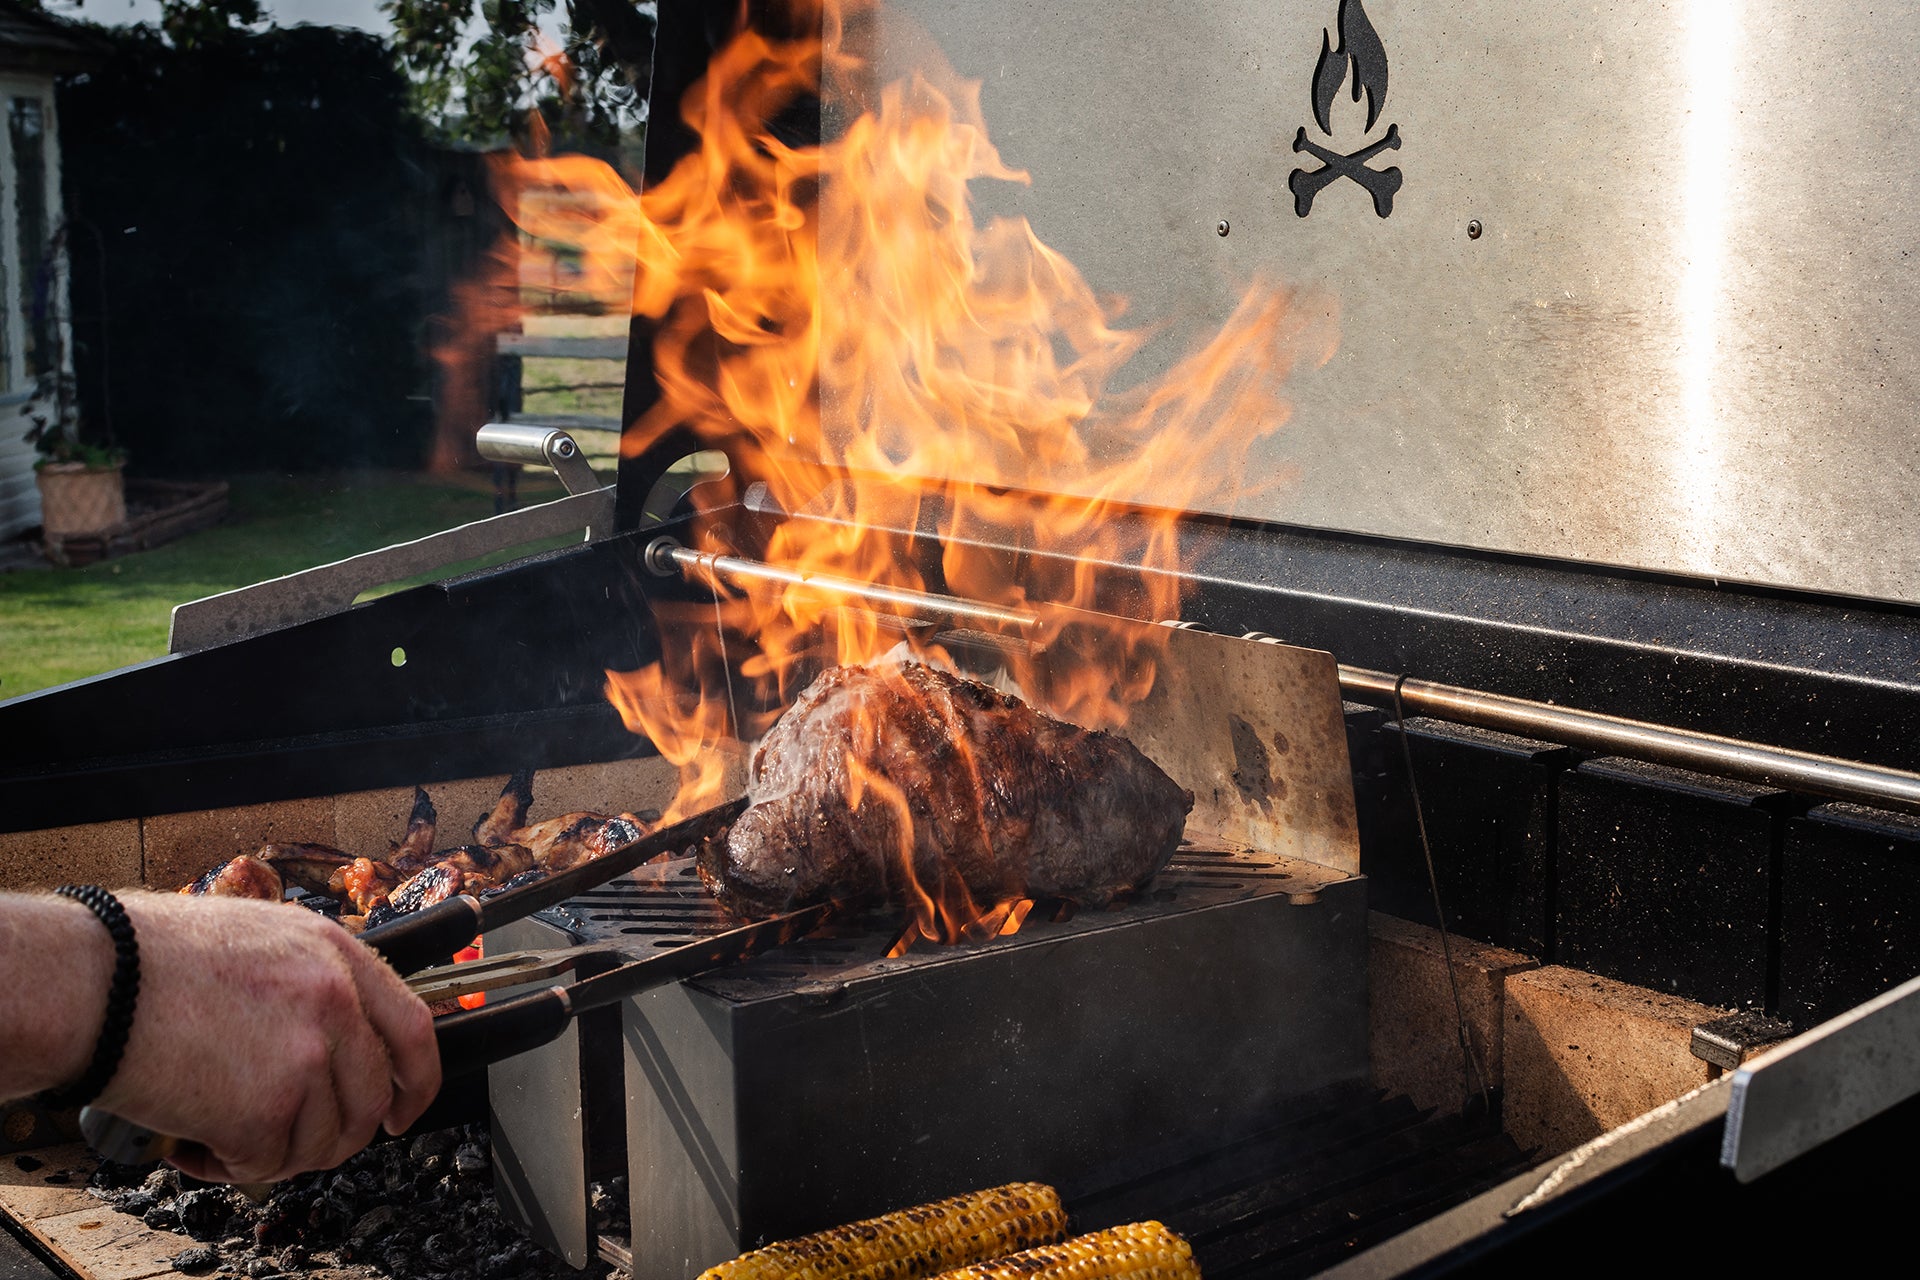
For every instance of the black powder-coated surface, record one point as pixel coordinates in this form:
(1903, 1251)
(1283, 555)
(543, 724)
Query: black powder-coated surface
(1817, 673)
(1850, 926)
(503, 670)
(1664, 880)
(1489, 804)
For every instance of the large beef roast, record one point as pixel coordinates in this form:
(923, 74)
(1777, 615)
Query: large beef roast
(872, 766)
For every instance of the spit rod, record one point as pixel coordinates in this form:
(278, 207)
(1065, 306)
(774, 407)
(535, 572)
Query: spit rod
(665, 556)
(1825, 776)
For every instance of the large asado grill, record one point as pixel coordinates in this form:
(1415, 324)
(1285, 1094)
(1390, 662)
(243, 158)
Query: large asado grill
(1731, 825)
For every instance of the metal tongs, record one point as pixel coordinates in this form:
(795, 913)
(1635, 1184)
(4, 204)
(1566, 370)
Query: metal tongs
(474, 1038)
(433, 934)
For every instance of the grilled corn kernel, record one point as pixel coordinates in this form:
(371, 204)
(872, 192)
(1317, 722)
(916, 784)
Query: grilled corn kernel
(1137, 1251)
(915, 1243)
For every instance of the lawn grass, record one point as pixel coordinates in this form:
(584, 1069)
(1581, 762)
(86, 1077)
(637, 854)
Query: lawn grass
(58, 625)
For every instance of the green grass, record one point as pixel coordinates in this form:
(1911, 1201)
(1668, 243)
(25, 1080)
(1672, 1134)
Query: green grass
(553, 384)
(62, 624)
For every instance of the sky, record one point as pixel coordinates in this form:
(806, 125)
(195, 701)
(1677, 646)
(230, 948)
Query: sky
(364, 14)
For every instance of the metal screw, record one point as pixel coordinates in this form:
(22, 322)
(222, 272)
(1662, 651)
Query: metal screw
(1473, 229)
(1220, 227)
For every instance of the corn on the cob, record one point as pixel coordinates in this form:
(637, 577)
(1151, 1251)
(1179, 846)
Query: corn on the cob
(1137, 1251)
(915, 1243)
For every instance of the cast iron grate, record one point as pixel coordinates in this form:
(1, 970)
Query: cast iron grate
(665, 905)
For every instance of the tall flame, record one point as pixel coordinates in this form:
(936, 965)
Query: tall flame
(839, 304)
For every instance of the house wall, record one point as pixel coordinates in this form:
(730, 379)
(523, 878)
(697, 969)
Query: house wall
(19, 498)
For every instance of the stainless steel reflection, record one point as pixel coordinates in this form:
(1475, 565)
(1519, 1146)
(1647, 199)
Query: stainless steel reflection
(1688, 337)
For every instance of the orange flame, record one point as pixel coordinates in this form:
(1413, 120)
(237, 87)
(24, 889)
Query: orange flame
(839, 304)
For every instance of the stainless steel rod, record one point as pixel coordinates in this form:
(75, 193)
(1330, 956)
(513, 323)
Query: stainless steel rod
(1826, 776)
(906, 603)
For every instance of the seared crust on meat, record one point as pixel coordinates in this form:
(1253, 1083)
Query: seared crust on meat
(872, 766)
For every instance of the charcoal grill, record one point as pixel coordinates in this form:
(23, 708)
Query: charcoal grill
(1807, 643)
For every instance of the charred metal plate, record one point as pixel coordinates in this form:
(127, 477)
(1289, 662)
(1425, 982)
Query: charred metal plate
(1253, 728)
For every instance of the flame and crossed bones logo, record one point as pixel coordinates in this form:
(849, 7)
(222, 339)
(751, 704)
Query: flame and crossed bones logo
(1361, 49)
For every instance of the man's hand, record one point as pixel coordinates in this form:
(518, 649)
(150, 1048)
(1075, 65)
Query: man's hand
(267, 1035)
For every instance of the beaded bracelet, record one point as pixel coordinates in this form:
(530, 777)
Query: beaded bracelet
(121, 995)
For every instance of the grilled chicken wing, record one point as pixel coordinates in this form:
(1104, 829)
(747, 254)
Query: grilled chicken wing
(415, 850)
(244, 877)
(437, 883)
(567, 841)
(468, 869)
(365, 883)
(308, 866)
(498, 824)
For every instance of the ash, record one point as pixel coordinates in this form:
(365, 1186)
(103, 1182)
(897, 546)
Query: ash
(418, 1209)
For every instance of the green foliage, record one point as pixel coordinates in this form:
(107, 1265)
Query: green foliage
(591, 88)
(190, 24)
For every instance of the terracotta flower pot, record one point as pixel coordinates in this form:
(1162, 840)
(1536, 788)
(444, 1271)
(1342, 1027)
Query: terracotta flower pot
(78, 499)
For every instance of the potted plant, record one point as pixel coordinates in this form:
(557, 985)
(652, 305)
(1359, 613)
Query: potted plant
(81, 488)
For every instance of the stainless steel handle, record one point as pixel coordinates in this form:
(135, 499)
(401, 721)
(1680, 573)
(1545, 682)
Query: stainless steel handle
(537, 446)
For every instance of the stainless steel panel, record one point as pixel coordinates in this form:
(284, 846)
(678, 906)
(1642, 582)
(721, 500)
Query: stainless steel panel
(1684, 340)
(1815, 1087)
(539, 1122)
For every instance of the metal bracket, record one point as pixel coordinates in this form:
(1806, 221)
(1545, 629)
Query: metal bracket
(330, 588)
(1816, 1086)
(538, 446)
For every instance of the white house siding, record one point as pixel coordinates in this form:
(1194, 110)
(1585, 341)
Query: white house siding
(19, 496)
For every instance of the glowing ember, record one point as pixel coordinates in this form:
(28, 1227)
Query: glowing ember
(839, 304)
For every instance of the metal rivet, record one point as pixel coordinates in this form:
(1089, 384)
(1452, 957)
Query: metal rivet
(1473, 229)
(1221, 227)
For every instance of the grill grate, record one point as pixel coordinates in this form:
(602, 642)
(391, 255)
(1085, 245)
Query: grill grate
(664, 905)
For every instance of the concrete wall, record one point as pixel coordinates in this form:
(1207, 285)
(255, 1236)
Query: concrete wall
(1572, 1054)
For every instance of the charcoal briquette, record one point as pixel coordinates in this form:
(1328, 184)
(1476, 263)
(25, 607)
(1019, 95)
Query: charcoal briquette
(195, 1260)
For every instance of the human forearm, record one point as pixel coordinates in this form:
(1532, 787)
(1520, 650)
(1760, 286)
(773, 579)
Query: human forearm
(56, 962)
(262, 1032)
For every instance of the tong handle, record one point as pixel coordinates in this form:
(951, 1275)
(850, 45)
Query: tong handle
(476, 1038)
(427, 936)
